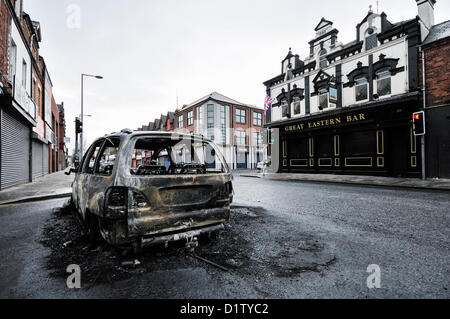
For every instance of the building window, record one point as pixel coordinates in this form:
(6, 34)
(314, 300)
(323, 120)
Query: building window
(323, 58)
(190, 118)
(17, 8)
(383, 83)
(180, 121)
(361, 89)
(284, 108)
(297, 109)
(257, 119)
(371, 42)
(33, 91)
(240, 116)
(211, 121)
(240, 137)
(12, 61)
(323, 99)
(258, 139)
(39, 102)
(200, 118)
(223, 124)
(24, 74)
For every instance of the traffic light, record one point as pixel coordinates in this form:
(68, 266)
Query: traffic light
(419, 123)
(78, 126)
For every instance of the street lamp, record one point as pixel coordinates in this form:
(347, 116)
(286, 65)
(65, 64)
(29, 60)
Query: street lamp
(82, 111)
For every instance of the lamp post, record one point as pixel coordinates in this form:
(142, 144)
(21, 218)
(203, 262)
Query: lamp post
(82, 111)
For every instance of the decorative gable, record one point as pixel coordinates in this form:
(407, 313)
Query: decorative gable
(323, 24)
(321, 81)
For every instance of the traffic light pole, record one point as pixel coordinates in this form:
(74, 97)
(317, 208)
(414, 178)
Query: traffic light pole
(423, 157)
(424, 98)
(81, 119)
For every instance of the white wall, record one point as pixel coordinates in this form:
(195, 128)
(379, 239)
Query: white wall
(22, 93)
(396, 49)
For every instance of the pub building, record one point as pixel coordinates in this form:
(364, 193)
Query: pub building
(347, 108)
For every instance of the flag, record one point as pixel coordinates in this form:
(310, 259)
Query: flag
(268, 104)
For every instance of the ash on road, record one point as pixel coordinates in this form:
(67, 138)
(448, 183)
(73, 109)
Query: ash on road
(243, 247)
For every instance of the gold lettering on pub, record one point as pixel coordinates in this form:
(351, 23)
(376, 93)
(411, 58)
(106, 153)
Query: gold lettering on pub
(325, 123)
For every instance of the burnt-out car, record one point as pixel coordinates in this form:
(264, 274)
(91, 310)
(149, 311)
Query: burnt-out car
(150, 187)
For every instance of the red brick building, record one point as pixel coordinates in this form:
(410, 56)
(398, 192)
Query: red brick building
(63, 151)
(436, 53)
(234, 126)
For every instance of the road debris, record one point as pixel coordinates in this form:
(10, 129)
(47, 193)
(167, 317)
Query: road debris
(67, 244)
(131, 263)
(208, 262)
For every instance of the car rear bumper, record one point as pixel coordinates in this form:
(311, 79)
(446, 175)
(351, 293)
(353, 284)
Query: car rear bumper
(189, 234)
(168, 221)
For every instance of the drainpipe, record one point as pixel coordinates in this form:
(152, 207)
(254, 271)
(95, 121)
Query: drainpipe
(422, 53)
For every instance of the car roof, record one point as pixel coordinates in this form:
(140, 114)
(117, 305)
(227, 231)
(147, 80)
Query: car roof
(154, 134)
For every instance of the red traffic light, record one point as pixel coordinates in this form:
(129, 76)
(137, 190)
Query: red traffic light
(416, 116)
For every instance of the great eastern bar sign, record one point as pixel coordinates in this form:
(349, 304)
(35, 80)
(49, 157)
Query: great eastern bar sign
(329, 122)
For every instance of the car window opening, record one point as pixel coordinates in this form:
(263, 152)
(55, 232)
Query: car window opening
(175, 156)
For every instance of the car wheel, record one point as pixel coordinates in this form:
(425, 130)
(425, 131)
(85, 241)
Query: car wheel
(92, 228)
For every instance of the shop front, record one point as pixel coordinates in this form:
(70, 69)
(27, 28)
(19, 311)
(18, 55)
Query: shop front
(369, 140)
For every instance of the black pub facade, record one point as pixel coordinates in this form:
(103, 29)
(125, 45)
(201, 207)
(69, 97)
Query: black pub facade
(347, 108)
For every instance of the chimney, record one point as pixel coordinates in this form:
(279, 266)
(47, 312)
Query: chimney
(426, 15)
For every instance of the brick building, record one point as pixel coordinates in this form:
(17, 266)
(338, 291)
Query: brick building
(63, 151)
(436, 54)
(27, 128)
(234, 126)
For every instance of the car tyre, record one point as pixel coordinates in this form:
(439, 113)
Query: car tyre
(92, 229)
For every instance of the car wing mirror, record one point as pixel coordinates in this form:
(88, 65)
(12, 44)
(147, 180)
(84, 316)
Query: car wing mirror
(71, 170)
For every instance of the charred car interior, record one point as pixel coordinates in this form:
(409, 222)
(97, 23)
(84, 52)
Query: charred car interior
(146, 188)
(171, 156)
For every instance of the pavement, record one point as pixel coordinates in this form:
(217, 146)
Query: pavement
(430, 184)
(56, 185)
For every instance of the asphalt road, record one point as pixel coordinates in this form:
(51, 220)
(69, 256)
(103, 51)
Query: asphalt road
(297, 240)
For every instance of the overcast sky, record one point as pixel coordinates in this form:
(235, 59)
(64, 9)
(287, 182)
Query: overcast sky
(148, 51)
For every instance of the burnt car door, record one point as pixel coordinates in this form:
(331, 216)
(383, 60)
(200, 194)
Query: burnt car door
(102, 176)
(83, 176)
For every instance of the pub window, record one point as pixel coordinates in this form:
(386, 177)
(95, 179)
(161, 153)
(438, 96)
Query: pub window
(383, 83)
(361, 89)
(371, 42)
(323, 58)
(180, 121)
(323, 99)
(240, 116)
(284, 108)
(297, 109)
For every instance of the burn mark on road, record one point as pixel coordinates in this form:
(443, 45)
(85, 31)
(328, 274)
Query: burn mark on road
(253, 244)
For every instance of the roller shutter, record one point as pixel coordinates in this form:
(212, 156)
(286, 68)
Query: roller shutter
(45, 163)
(15, 151)
(38, 159)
